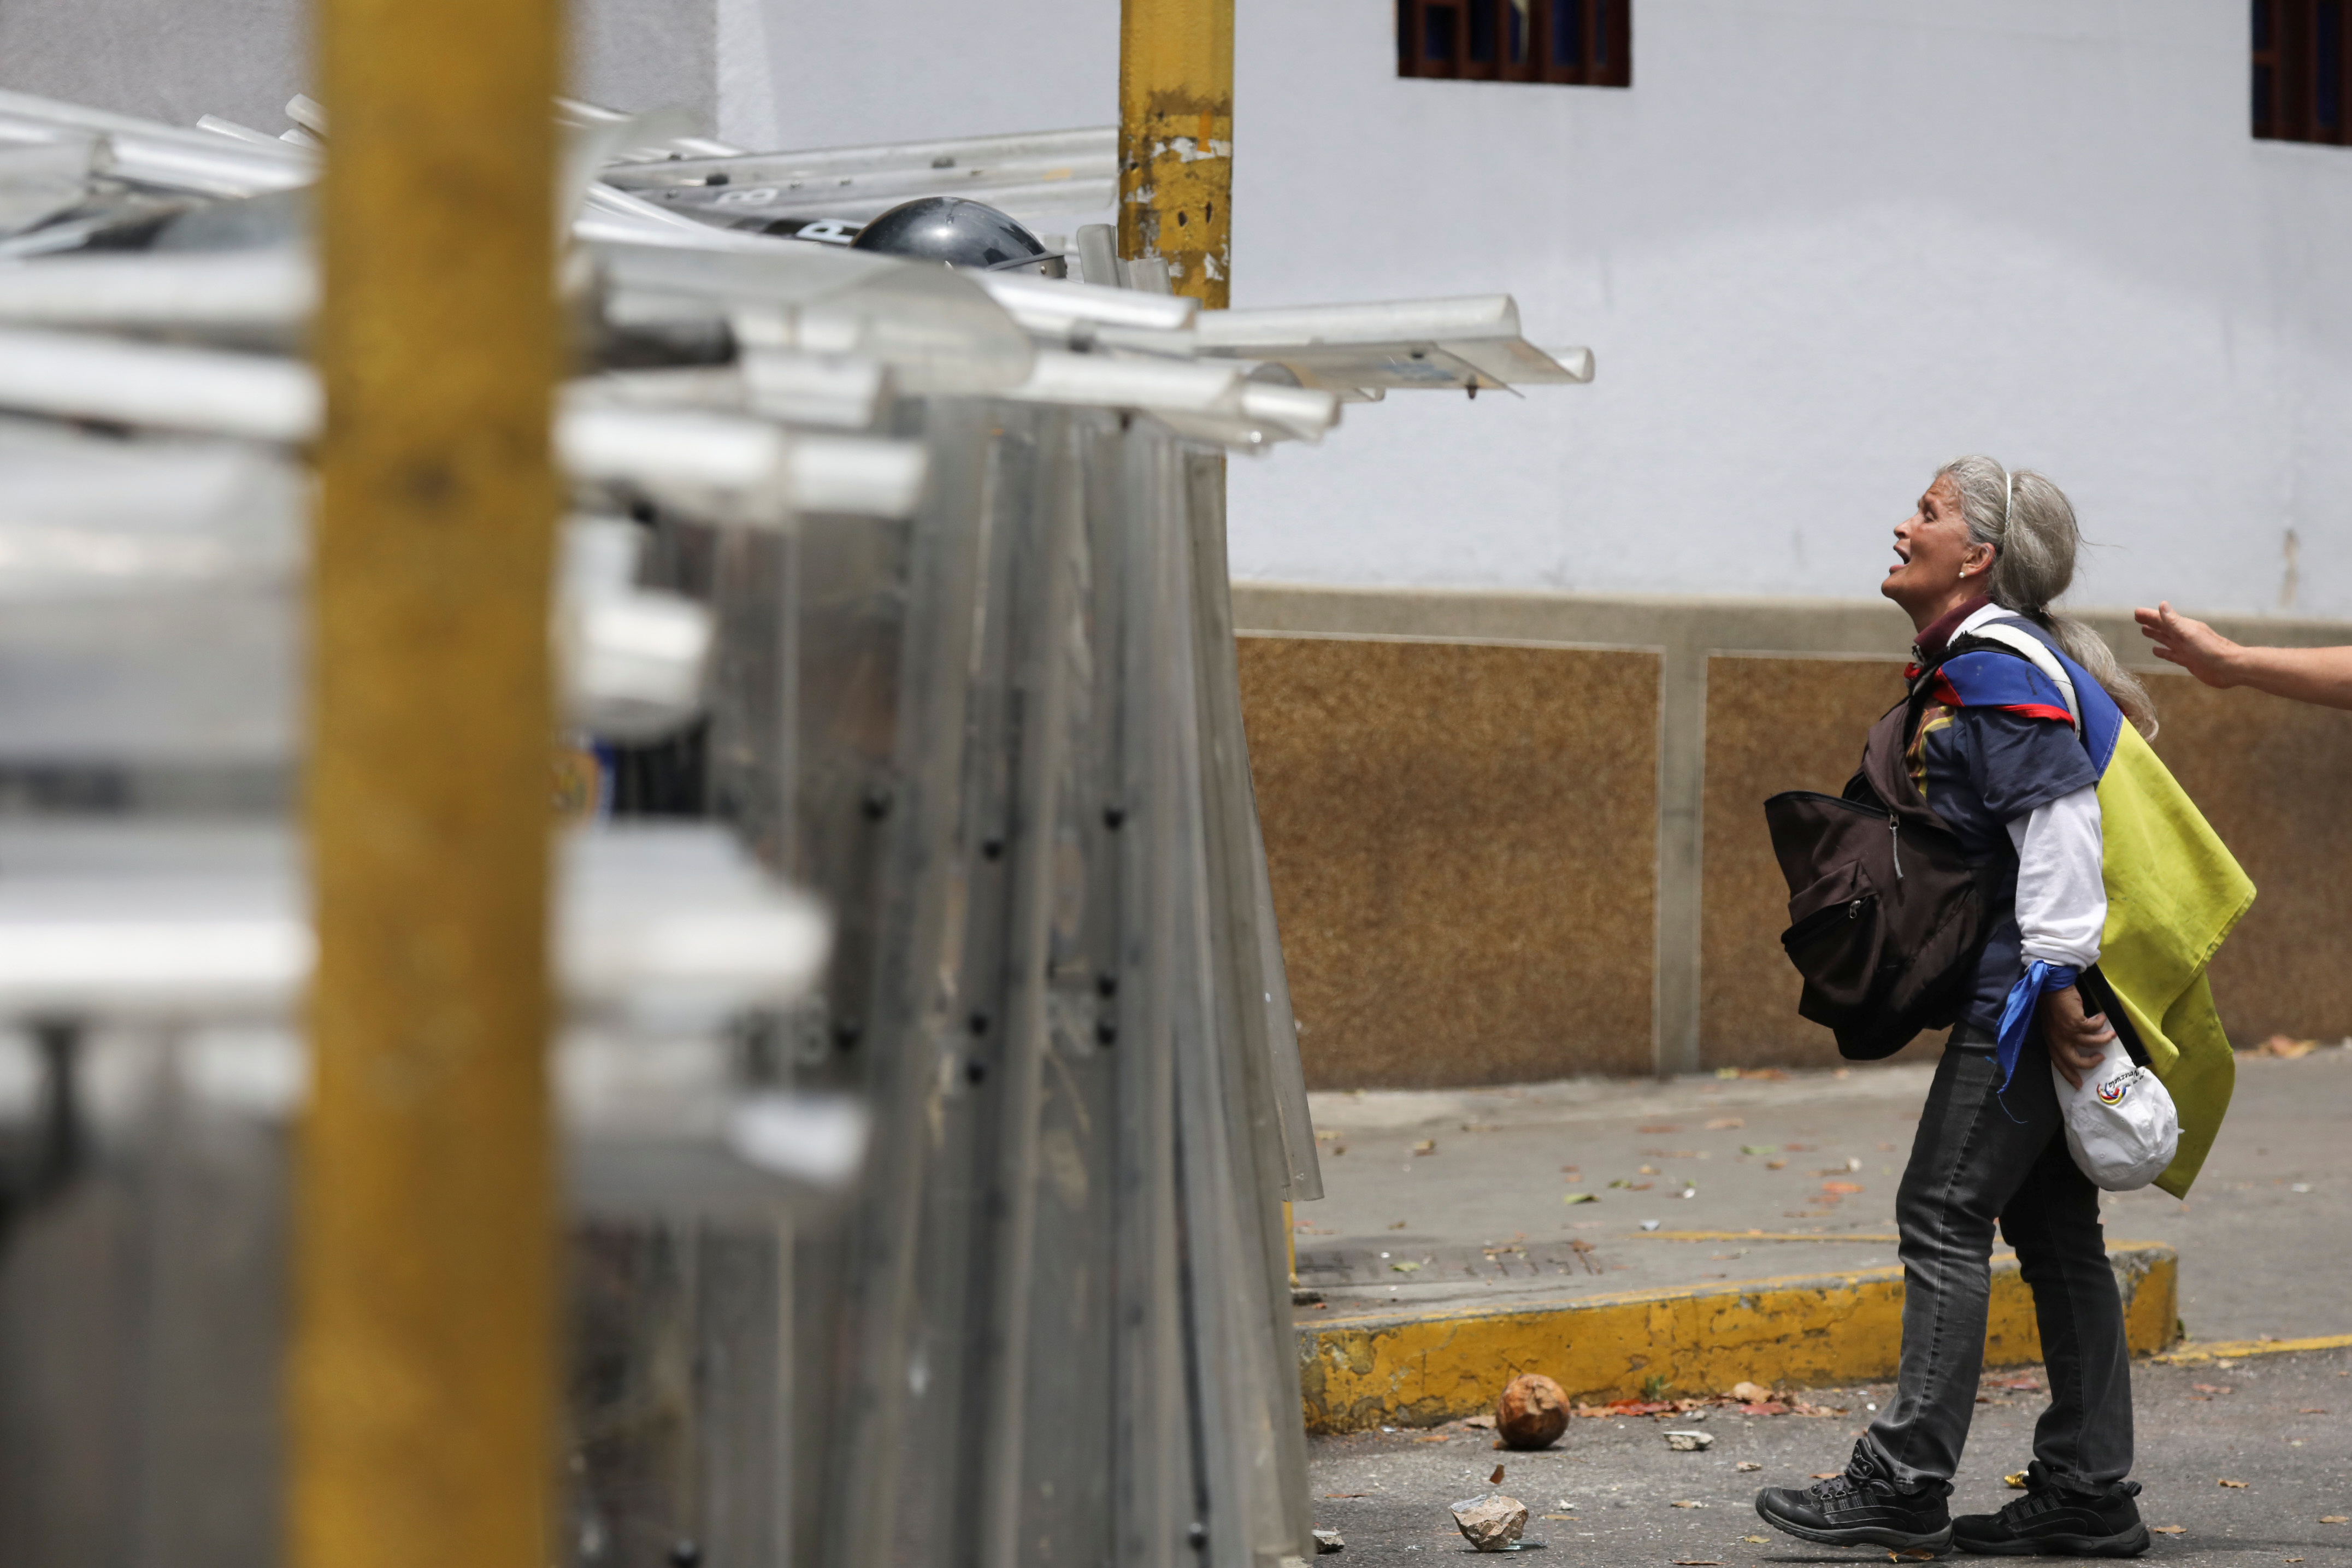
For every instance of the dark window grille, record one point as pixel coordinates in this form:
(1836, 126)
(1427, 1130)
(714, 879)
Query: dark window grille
(1583, 43)
(2302, 58)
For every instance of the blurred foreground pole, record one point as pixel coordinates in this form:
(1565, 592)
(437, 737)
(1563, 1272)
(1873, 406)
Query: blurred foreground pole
(1176, 140)
(423, 1383)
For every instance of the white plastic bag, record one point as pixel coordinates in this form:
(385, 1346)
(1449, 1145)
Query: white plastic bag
(2121, 1126)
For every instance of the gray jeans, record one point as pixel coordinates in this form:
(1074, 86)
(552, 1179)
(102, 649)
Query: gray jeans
(1974, 1164)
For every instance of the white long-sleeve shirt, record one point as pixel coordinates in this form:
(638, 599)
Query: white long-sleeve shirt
(2062, 894)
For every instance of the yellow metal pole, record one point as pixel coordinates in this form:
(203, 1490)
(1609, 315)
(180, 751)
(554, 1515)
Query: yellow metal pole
(1176, 140)
(423, 1380)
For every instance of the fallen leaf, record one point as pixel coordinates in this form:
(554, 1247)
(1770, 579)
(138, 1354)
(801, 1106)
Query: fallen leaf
(1759, 1540)
(2016, 1480)
(1404, 1268)
(2334, 1518)
(1760, 1148)
(1580, 1197)
(2170, 1528)
(1399, 1225)
(1919, 1555)
(2228, 1483)
(1346, 1494)
(1842, 1188)
(2312, 1410)
(1426, 1146)
(2210, 1387)
(1776, 1165)
(1689, 1503)
(1725, 1123)
(1437, 1437)
(1647, 1170)
(1665, 1129)
(1770, 1074)
(1800, 1147)
(1749, 1465)
(1482, 1422)
(1496, 1479)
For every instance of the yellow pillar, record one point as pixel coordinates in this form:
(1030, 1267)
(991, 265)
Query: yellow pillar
(1176, 140)
(424, 1372)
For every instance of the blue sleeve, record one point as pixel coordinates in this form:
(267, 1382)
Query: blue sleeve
(2018, 763)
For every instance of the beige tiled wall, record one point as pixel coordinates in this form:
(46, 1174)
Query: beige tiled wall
(1464, 835)
(1462, 841)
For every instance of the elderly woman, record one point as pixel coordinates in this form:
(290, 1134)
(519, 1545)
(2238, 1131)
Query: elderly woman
(2014, 782)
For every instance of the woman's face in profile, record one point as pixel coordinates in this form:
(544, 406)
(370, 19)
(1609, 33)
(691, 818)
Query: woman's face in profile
(1931, 546)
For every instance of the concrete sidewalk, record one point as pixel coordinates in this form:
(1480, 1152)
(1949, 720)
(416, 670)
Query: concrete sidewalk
(1455, 1207)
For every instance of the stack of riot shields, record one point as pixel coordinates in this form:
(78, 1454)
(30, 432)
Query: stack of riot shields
(928, 1088)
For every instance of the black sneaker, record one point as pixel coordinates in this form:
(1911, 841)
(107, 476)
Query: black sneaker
(1863, 1507)
(2058, 1520)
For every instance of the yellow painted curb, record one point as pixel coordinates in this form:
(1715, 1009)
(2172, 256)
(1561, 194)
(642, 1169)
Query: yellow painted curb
(1417, 1370)
(2230, 1349)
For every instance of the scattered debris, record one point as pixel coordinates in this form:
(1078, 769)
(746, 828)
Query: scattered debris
(1832, 1474)
(2285, 1046)
(1649, 1224)
(1690, 1442)
(1747, 1464)
(1399, 1225)
(1750, 1393)
(1490, 1523)
(1664, 1128)
(1910, 1554)
(2212, 1387)
(1327, 1541)
(1687, 1502)
(1580, 1197)
(1725, 1123)
(1404, 1268)
(1758, 1540)
(2334, 1518)
(1482, 1422)
(1776, 1165)
(2240, 1486)
(2170, 1528)
(1532, 1414)
(1698, 1562)
(1426, 1146)
(1760, 1148)
(2016, 1481)
(1841, 1189)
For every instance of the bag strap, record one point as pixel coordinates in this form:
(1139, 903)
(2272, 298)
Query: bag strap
(2036, 652)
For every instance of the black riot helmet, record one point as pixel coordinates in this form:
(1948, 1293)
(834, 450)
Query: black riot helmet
(960, 233)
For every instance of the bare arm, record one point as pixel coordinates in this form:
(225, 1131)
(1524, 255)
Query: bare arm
(2320, 674)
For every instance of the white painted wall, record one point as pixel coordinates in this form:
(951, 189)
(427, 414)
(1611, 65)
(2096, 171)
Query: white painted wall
(1820, 246)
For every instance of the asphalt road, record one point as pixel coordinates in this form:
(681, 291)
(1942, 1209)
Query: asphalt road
(1607, 1493)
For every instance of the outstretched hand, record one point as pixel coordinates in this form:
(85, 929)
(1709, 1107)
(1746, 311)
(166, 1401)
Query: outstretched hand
(2076, 1041)
(2190, 644)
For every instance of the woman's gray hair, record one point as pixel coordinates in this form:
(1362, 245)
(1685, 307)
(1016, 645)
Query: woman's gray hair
(2030, 524)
